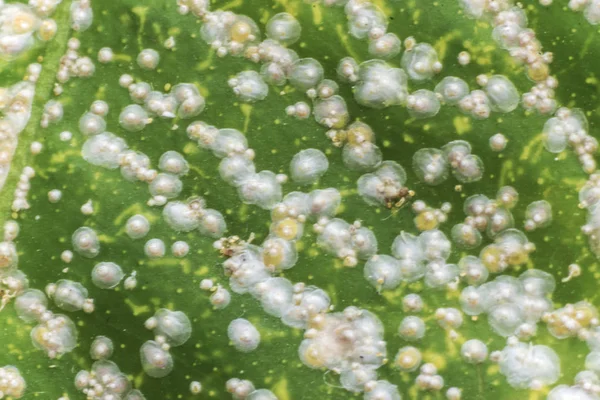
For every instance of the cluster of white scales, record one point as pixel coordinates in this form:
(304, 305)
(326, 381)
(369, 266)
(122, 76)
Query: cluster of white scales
(349, 342)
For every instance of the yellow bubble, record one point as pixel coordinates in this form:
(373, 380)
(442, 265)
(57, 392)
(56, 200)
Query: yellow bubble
(287, 229)
(240, 31)
(426, 221)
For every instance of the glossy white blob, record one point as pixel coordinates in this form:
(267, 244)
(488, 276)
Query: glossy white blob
(307, 166)
(243, 335)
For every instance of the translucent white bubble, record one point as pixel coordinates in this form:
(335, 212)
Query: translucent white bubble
(261, 394)
(331, 112)
(383, 272)
(82, 16)
(101, 348)
(30, 305)
(412, 269)
(412, 302)
(305, 73)
(364, 243)
(154, 248)
(363, 18)
(262, 189)
(294, 204)
(327, 88)
(175, 326)
(134, 165)
(476, 204)
(529, 366)
(8, 256)
(555, 136)
(133, 118)
(347, 70)
(183, 91)
(354, 379)
(502, 93)
(534, 307)
(362, 157)
(55, 336)
(165, 184)
(137, 226)
(564, 392)
(538, 215)
(452, 89)
(474, 8)
(107, 275)
(449, 318)
(420, 62)
(380, 85)
(505, 318)
(235, 169)
(324, 202)
(139, 91)
(249, 86)
(284, 28)
(386, 47)
(243, 335)
(212, 223)
(382, 390)
(537, 282)
(470, 169)
(384, 186)
(181, 217)
(476, 104)
(275, 295)
(407, 246)
(456, 151)
(287, 229)
(174, 163)
(592, 12)
(411, 328)
(335, 236)
(228, 142)
(239, 388)
(435, 245)
(85, 242)
(13, 384)
(103, 150)
(91, 124)
(191, 102)
(408, 359)
(279, 253)
(220, 298)
(466, 236)
(313, 301)
(148, 59)
(472, 270)
(423, 103)
(15, 281)
(307, 166)
(474, 351)
(156, 362)
(163, 105)
(69, 295)
(592, 362)
(439, 275)
(498, 142)
(273, 73)
(511, 24)
(472, 300)
(430, 166)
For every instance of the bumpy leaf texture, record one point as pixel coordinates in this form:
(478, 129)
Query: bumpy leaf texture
(48, 208)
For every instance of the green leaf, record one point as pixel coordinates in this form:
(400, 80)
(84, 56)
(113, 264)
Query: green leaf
(127, 27)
